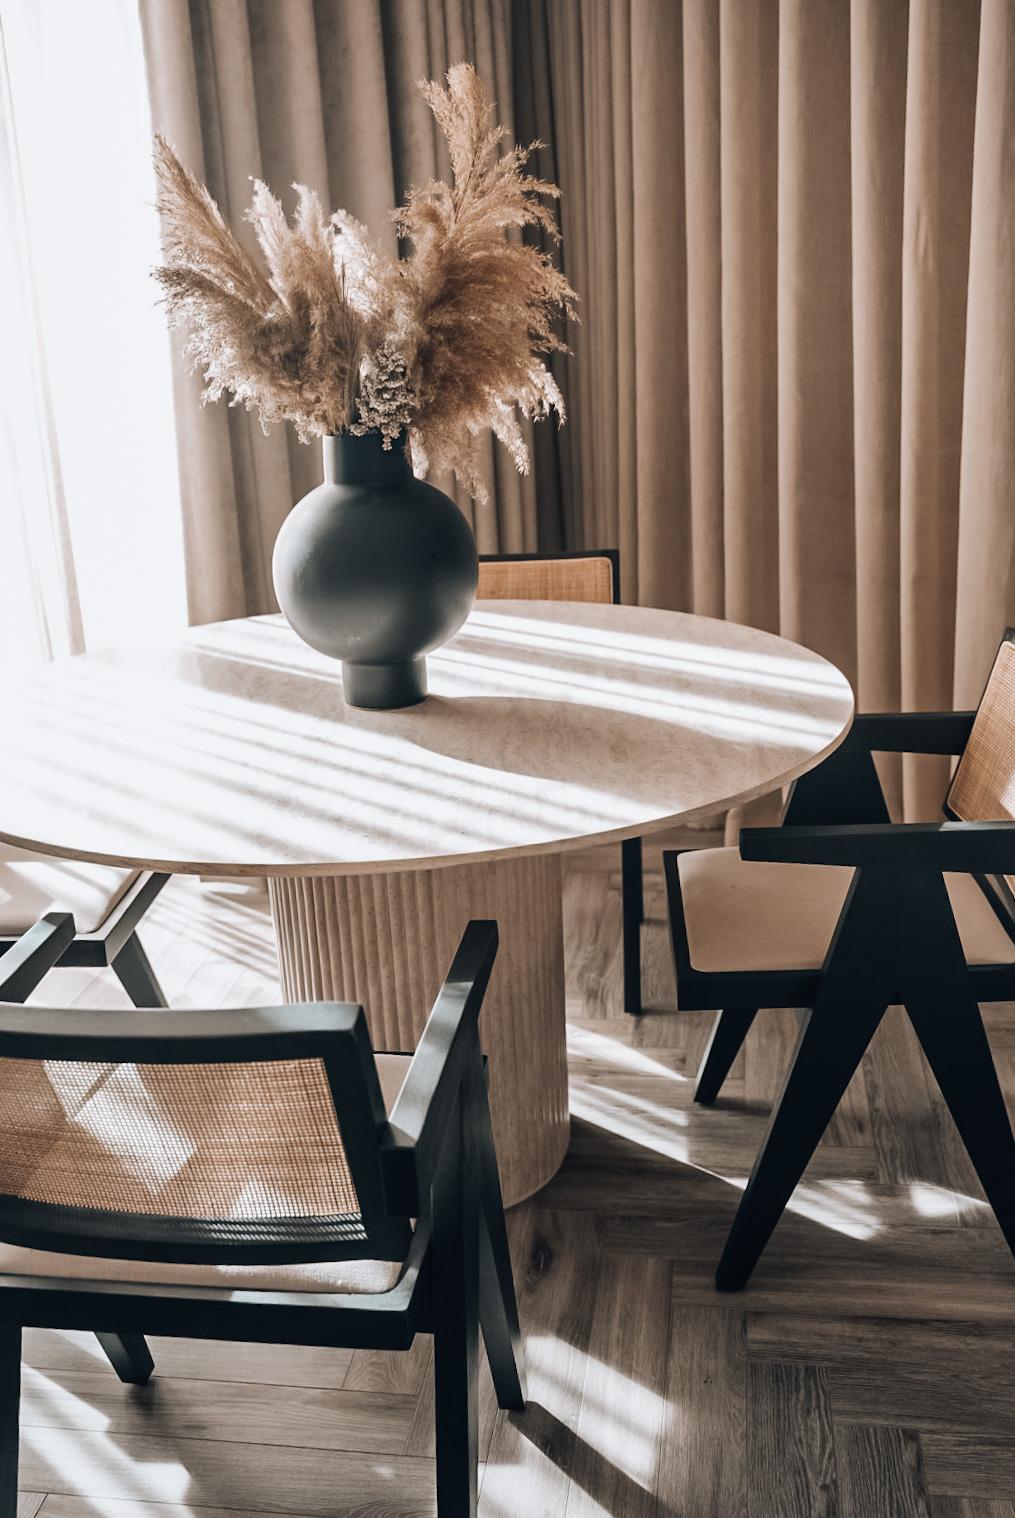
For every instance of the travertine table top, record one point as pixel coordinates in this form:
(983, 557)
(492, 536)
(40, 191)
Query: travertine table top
(549, 725)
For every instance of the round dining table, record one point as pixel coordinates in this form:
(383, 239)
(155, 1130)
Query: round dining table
(549, 726)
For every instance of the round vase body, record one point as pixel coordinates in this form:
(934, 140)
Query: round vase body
(375, 568)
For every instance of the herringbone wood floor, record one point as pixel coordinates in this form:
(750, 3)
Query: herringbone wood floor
(866, 1373)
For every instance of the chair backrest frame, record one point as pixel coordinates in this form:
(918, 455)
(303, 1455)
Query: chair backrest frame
(334, 1034)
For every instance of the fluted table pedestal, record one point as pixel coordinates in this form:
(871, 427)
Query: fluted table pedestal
(386, 941)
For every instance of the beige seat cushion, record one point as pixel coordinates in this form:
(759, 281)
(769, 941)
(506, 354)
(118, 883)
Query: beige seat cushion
(344, 1276)
(32, 885)
(749, 915)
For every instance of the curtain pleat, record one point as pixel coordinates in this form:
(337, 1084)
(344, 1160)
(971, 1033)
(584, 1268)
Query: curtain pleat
(748, 116)
(878, 49)
(815, 392)
(792, 390)
(703, 199)
(214, 518)
(940, 105)
(878, 42)
(660, 306)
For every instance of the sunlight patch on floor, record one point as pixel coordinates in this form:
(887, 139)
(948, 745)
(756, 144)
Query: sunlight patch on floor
(58, 1405)
(588, 1047)
(846, 1206)
(620, 1419)
(98, 1462)
(632, 1117)
(938, 1202)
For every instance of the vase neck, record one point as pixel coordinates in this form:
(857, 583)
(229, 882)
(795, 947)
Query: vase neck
(364, 460)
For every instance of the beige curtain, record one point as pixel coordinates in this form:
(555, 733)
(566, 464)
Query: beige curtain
(792, 393)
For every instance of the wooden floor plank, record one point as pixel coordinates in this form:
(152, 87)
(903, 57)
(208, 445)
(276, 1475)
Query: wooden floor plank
(614, 1458)
(925, 1376)
(791, 1465)
(703, 1460)
(557, 1263)
(970, 1465)
(880, 1473)
(972, 1507)
(153, 1468)
(209, 1359)
(311, 1418)
(60, 1506)
(400, 1372)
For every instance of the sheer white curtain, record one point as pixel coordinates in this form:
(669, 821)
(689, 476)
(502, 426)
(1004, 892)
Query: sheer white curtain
(90, 524)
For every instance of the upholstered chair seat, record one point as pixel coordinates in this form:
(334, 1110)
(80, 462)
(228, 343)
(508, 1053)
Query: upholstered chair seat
(32, 885)
(754, 915)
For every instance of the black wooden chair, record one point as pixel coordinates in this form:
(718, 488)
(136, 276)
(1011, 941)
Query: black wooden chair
(592, 575)
(841, 912)
(251, 1175)
(106, 903)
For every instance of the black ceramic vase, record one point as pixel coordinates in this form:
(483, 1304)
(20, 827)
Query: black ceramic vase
(375, 568)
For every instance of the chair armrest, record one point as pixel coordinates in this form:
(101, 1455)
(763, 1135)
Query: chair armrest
(967, 847)
(26, 962)
(912, 732)
(419, 1118)
(845, 788)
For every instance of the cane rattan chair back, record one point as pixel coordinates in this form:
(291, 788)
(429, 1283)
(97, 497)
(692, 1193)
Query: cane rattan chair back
(555, 577)
(258, 1144)
(983, 786)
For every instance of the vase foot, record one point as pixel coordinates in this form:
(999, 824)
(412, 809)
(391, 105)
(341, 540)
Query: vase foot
(383, 686)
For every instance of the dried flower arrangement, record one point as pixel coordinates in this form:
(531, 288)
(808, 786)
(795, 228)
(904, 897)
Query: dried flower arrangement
(332, 335)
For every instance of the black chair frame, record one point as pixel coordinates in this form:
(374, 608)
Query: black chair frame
(433, 1160)
(632, 890)
(895, 941)
(115, 944)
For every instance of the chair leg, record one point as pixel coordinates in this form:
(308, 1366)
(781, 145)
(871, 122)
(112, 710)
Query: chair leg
(498, 1305)
(856, 987)
(946, 1017)
(633, 900)
(831, 1046)
(129, 1356)
(10, 1399)
(456, 1329)
(728, 1033)
(136, 975)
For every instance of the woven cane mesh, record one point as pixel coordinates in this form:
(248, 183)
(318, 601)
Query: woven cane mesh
(222, 1142)
(983, 787)
(588, 579)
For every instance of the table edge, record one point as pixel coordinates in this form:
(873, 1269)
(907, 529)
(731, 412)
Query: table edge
(216, 869)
